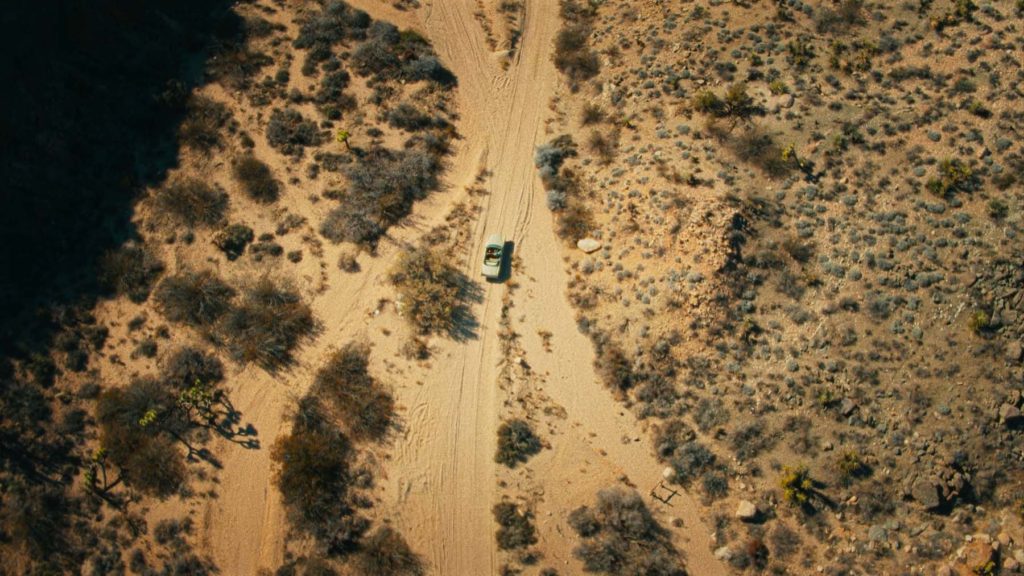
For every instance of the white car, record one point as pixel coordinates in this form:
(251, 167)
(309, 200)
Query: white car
(492, 256)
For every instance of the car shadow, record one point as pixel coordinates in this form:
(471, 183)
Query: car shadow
(505, 270)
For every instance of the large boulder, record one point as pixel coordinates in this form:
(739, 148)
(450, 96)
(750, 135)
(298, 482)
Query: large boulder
(747, 511)
(925, 492)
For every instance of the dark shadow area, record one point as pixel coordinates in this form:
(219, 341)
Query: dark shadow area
(94, 93)
(464, 324)
(93, 96)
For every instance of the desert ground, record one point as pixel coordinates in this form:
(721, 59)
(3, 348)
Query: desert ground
(761, 306)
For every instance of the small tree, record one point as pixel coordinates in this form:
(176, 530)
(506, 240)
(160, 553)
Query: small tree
(797, 485)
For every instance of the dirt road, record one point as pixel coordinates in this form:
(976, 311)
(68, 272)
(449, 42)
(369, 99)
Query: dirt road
(441, 478)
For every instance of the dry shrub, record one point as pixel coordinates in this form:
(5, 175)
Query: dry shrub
(314, 477)
(364, 407)
(192, 202)
(516, 443)
(267, 326)
(256, 179)
(188, 365)
(194, 298)
(573, 56)
(431, 289)
(386, 553)
(138, 425)
(130, 271)
(619, 536)
(756, 146)
(515, 526)
(203, 123)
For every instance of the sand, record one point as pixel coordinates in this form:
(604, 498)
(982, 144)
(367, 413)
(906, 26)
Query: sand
(438, 479)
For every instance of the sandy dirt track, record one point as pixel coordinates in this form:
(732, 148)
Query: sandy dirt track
(441, 480)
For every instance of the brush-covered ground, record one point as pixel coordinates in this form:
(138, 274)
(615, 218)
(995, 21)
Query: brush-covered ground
(803, 266)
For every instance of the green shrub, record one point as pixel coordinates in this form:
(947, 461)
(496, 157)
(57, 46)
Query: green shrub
(362, 405)
(194, 298)
(954, 176)
(516, 443)
(267, 326)
(256, 179)
(130, 271)
(797, 485)
(192, 202)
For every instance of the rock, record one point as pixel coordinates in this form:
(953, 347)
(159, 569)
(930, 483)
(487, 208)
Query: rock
(1009, 414)
(1010, 565)
(944, 570)
(926, 493)
(668, 473)
(847, 407)
(723, 553)
(746, 511)
(1014, 352)
(1004, 539)
(978, 555)
(589, 245)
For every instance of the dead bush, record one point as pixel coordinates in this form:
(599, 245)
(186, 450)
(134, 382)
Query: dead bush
(386, 553)
(516, 528)
(138, 426)
(256, 179)
(267, 326)
(192, 202)
(516, 443)
(432, 291)
(188, 366)
(756, 146)
(314, 477)
(363, 406)
(619, 536)
(573, 55)
(204, 120)
(194, 298)
(130, 271)
(290, 132)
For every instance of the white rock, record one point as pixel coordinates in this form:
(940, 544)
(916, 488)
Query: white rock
(668, 473)
(723, 553)
(746, 510)
(589, 245)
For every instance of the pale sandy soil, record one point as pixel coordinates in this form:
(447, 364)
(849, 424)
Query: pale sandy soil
(438, 479)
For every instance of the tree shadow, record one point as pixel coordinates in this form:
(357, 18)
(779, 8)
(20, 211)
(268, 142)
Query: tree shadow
(464, 325)
(227, 424)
